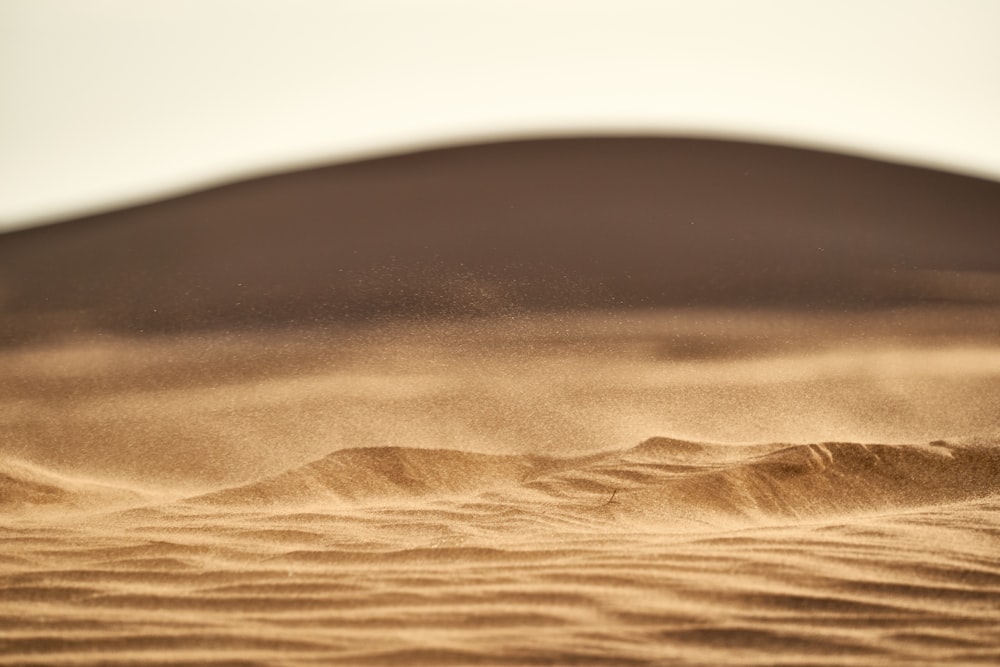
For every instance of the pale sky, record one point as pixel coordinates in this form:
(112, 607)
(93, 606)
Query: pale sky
(110, 102)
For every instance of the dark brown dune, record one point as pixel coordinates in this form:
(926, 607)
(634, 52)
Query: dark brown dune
(546, 224)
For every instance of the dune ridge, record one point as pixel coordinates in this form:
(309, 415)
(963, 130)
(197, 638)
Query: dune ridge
(369, 473)
(819, 480)
(659, 478)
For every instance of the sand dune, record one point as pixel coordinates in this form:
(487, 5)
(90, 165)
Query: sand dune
(388, 412)
(817, 481)
(546, 225)
(831, 554)
(23, 485)
(661, 478)
(384, 472)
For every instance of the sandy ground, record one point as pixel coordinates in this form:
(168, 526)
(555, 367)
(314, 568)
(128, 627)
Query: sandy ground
(489, 492)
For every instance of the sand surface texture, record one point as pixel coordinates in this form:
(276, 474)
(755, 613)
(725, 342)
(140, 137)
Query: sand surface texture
(488, 493)
(667, 552)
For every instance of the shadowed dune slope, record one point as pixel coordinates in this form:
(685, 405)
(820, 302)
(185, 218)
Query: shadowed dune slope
(806, 481)
(658, 478)
(545, 224)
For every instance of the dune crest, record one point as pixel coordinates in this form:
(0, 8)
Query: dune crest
(373, 473)
(660, 478)
(819, 480)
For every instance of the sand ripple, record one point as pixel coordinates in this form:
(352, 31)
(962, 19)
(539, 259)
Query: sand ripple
(527, 563)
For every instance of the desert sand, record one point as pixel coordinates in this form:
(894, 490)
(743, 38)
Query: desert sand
(620, 400)
(592, 488)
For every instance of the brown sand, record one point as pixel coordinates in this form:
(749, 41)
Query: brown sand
(486, 492)
(544, 225)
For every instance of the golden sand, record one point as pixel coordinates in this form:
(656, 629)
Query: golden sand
(489, 493)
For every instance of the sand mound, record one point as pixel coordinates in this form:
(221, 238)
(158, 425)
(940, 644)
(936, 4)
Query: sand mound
(806, 481)
(660, 478)
(23, 485)
(373, 473)
(671, 450)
